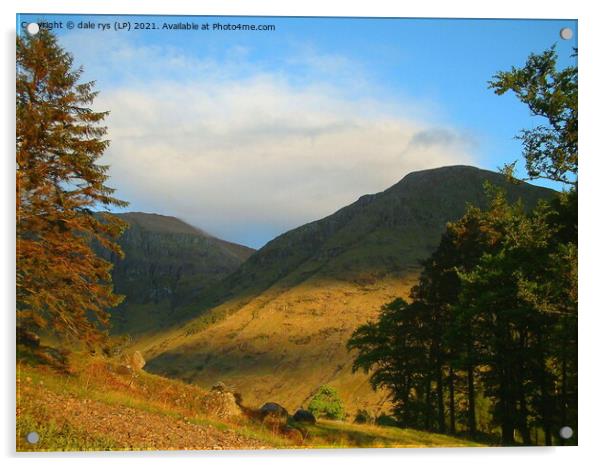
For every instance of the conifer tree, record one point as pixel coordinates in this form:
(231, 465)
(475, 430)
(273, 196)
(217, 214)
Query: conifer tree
(63, 287)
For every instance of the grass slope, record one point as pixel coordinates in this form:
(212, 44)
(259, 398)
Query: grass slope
(277, 327)
(93, 408)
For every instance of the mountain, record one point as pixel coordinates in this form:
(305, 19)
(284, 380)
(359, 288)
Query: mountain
(168, 265)
(277, 327)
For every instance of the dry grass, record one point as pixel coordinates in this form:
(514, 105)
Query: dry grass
(281, 345)
(94, 408)
(338, 434)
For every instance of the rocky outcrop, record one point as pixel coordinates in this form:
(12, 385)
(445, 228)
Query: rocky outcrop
(137, 361)
(221, 403)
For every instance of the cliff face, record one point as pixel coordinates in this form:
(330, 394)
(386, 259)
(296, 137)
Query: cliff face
(168, 265)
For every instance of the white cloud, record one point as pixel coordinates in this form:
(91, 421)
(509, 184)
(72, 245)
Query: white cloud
(247, 153)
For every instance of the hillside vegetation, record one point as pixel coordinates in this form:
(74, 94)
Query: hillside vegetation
(277, 327)
(93, 407)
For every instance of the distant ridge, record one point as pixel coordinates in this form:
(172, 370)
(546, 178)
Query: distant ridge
(168, 266)
(160, 223)
(166, 224)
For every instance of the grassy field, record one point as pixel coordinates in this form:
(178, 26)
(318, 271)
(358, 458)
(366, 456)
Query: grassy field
(94, 408)
(339, 434)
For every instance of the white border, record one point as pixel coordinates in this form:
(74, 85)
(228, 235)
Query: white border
(590, 327)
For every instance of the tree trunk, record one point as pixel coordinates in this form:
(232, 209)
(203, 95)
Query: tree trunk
(472, 419)
(523, 426)
(563, 397)
(507, 409)
(545, 403)
(428, 420)
(520, 384)
(440, 404)
(405, 398)
(452, 403)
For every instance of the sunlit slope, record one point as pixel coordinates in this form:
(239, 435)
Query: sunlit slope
(276, 329)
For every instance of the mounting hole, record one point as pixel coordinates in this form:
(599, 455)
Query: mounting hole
(33, 29)
(33, 437)
(566, 432)
(566, 33)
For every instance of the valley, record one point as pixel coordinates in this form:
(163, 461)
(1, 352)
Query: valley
(276, 328)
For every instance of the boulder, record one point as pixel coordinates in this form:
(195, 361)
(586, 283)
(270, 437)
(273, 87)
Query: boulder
(273, 408)
(128, 363)
(137, 361)
(273, 414)
(303, 416)
(220, 403)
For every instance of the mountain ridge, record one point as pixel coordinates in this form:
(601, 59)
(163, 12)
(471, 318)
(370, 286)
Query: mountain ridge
(277, 326)
(169, 224)
(168, 264)
(321, 230)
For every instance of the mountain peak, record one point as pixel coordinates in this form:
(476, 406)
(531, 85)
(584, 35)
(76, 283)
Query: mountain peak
(456, 184)
(287, 311)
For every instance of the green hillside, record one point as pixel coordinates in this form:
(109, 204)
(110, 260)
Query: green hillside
(168, 265)
(377, 234)
(277, 327)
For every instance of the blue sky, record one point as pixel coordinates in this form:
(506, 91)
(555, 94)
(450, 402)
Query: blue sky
(247, 134)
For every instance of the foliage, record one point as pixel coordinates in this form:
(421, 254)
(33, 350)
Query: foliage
(494, 311)
(494, 315)
(327, 403)
(62, 286)
(385, 420)
(362, 416)
(550, 150)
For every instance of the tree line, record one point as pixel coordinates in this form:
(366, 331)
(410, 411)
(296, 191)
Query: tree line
(487, 342)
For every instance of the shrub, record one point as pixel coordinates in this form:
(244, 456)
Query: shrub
(363, 417)
(327, 403)
(385, 420)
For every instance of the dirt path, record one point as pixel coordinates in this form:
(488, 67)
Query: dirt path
(135, 429)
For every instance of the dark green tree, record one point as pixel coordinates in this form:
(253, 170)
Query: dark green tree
(395, 351)
(551, 151)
